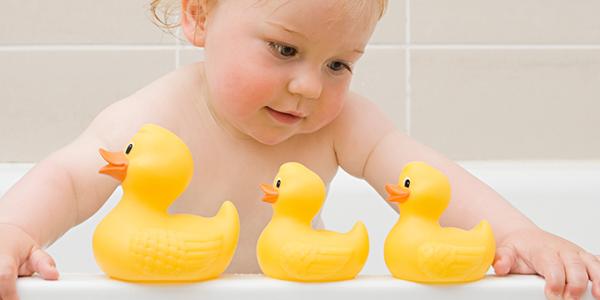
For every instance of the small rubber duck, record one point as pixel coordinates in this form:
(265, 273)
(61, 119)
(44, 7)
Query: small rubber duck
(290, 249)
(418, 248)
(138, 240)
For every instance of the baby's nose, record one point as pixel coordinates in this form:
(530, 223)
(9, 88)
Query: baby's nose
(306, 83)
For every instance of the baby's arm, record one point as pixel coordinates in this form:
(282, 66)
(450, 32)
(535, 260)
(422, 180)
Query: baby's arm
(58, 193)
(370, 147)
(377, 152)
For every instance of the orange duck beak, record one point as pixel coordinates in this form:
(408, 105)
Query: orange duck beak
(271, 194)
(117, 164)
(397, 193)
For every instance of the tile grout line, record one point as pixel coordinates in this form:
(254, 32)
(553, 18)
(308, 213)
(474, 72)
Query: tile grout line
(179, 46)
(504, 47)
(407, 69)
(86, 48)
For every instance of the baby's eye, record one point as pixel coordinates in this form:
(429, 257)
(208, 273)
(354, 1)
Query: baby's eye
(283, 50)
(338, 66)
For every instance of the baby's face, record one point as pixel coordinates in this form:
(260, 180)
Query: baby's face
(282, 67)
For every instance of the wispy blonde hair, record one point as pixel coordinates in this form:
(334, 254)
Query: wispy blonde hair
(165, 13)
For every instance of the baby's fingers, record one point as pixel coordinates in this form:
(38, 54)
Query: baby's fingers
(549, 265)
(8, 279)
(508, 261)
(577, 277)
(39, 261)
(592, 264)
(504, 261)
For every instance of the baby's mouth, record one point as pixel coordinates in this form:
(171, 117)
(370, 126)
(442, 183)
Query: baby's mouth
(284, 117)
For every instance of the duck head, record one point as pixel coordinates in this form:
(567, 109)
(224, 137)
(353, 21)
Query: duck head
(156, 164)
(296, 192)
(421, 190)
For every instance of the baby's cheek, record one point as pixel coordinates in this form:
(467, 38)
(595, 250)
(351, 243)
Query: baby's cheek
(329, 108)
(245, 86)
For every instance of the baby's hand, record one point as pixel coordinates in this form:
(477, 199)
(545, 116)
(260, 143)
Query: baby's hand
(21, 256)
(566, 267)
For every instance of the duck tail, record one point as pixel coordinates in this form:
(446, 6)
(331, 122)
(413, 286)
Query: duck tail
(484, 229)
(227, 211)
(360, 238)
(359, 233)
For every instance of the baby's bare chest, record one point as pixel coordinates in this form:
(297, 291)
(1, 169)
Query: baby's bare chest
(225, 170)
(233, 172)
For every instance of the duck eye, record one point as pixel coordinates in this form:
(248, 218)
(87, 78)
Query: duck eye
(278, 184)
(129, 147)
(406, 183)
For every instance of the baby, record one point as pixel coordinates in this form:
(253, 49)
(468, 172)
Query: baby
(274, 87)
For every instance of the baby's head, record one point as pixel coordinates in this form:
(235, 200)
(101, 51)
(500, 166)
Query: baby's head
(276, 68)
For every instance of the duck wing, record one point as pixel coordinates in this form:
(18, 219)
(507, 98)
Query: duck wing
(436, 259)
(160, 251)
(306, 260)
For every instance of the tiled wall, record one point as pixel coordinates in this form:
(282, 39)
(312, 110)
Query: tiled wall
(474, 79)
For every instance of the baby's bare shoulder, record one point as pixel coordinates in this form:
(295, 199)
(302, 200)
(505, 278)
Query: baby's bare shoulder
(357, 129)
(111, 130)
(162, 102)
(359, 114)
(354, 113)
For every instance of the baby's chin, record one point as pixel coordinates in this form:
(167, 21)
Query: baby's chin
(270, 138)
(274, 136)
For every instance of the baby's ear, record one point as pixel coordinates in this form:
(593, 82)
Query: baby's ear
(193, 20)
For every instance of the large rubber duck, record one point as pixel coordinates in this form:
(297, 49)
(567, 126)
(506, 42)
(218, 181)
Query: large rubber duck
(138, 240)
(290, 249)
(418, 248)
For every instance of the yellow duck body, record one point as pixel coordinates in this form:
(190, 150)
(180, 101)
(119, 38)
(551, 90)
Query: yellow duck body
(139, 240)
(290, 249)
(418, 248)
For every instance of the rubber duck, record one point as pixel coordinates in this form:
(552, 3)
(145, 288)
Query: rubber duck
(418, 248)
(138, 240)
(290, 249)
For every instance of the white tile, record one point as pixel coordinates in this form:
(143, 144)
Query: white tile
(49, 97)
(505, 22)
(391, 28)
(507, 104)
(380, 76)
(27, 22)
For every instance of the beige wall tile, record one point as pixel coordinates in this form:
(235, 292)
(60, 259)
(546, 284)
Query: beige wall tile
(79, 22)
(48, 98)
(391, 27)
(380, 76)
(505, 22)
(507, 104)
